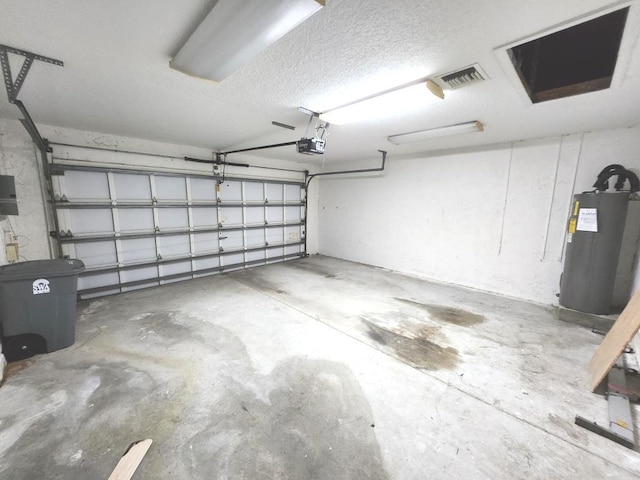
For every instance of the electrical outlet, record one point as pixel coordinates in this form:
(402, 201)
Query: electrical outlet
(12, 252)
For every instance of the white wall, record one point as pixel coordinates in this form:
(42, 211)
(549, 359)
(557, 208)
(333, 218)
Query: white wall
(491, 218)
(18, 157)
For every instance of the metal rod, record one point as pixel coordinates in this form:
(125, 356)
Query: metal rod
(216, 162)
(345, 172)
(262, 147)
(233, 164)
(31, 127)
(104, 238)
(172, 157)
(96, 205)
(283, 125)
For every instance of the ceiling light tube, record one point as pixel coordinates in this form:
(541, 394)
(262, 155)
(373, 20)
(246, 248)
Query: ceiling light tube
(233, 32)
(420, 135)
(403, 98)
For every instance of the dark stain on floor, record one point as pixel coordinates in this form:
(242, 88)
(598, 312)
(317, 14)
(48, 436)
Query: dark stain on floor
(415, 344)
(314, 422)
(208, 411)
(166, 327)
(261, 284)
(456, 316)
(13, 368)
(313, 268)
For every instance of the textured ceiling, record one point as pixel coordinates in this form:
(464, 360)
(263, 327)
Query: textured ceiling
(117, 79)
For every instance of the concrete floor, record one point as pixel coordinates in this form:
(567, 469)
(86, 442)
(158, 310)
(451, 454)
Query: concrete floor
(311, 369)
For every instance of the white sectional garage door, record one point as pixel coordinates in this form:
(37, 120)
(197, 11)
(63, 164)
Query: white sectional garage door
(139, 229)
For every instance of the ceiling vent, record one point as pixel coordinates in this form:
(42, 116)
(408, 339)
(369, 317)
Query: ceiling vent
(463, 77)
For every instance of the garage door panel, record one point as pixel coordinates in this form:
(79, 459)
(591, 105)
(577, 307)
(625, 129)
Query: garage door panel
(90, 221)
(134, 220)
(254, 215)
(231, 191)
(254, 192)
(170, 188)
(232, 240)
(292, 193)
(205, 217)
(275, 215)
(176, 268)
(255, 256)
(203, 189)
(292, 234)
(132, 187)
(231, 216)
(291, 249)
(292, 214)
(97, 254)
(173, 218)
(87, 186)
(205, 242)
(275, 192)
(233, 259)
(275, 235)
(139, 237)
(275, 253)
(206, 263)
(88, 281)
(137, 274)
(256, 238)
(138, 250)
(178, 245)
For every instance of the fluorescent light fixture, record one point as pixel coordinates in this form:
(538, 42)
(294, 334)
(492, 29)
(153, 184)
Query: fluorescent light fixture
(420, 135)
(406, 97)
(234, 31)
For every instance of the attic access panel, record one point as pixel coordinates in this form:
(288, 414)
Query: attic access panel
(572, 61)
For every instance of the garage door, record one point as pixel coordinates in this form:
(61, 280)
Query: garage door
(140, 229)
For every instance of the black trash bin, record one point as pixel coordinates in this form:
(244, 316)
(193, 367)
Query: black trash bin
(38, 301)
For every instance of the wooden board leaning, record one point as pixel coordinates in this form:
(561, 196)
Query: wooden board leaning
(614, 343)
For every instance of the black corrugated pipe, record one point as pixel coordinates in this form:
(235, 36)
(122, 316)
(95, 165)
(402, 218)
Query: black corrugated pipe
(602, 183)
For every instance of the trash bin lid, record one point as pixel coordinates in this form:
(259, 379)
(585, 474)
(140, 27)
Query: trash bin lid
(58, 267)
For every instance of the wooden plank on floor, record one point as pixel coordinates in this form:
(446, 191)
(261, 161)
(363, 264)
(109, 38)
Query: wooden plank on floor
(614, 343)
(130, 460)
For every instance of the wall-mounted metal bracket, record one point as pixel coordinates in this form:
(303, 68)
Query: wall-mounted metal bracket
(13, 87)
